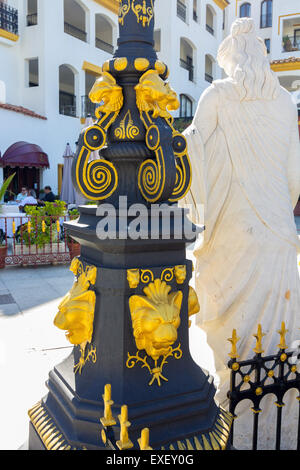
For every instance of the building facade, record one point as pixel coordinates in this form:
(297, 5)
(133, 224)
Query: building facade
(51, 53)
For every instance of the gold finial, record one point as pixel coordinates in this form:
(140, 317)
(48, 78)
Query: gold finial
(144, 440)
(108, 419)
(124, 443)
(259, 336)
(282, 332)
(234, 340)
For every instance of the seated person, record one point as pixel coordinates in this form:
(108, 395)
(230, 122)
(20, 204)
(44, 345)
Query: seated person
(22, 195)
(30, 200)
(49, 196)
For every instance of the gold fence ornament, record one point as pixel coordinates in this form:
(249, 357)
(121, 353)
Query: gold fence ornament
(108, 419)
(282, 332)
(144, 440)
(259, 336)
(124, 443)
(234, 340)
(76, 311)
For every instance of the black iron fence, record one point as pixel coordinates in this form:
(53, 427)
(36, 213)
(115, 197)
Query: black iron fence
(181, 10)
(87, 107)
(104, 46)
(210, 29)
(75, 32)
(189, 67)
(67, 104)
(264, 375)
(32, 20)
(209, 78)
(8, 18)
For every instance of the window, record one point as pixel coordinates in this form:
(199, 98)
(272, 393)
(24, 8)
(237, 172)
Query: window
(32, 13)
(75, 20)
(186, 107)
(181, 10)
(245, 10)
(195, 10)
(268, 45)
(67, 96)
(266, 14)
(32, 72)
(104, 34)
(210, 19)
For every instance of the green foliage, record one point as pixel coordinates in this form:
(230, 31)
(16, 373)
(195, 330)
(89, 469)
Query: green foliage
(43, 223)
(181, 124)
(5, 186)
(74, 213)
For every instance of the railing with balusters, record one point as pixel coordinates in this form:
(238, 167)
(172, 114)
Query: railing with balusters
(281, 369)
(28, 240)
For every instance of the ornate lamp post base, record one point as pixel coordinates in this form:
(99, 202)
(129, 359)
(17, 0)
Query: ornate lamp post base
(128, 313)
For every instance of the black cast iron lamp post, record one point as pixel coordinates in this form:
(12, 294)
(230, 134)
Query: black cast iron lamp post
(128, 312)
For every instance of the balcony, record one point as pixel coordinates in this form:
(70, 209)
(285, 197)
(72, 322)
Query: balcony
(209, 78)
(75, 32)
(67, 104)
(291, 43)
(9, 19)
(104, 46)
(188, 66)
(32, 20)
(87, 107)
(181, 11)
(210, 29)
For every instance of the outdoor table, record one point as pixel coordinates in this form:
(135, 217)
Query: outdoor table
(10, 209)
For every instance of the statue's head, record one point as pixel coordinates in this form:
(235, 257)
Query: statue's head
(108, 92)
(153, 94)
(76, 311)
(243, 56)
(156, 318)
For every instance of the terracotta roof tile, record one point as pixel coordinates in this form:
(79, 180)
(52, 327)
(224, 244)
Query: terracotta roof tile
(289, 60)
(20, 109)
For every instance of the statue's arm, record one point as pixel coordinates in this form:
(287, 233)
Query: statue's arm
(294, 162)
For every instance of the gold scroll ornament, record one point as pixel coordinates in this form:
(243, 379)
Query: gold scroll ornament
(76, 312)
(155, 99)
(143, 13)
(98, 179)
(155, 321)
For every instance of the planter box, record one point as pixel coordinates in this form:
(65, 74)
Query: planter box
(46, 249)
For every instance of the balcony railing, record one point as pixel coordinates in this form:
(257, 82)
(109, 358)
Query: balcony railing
(210, 29)
(87, 107)
(209, 78)
(181, 10)
(104, 46)
(32, 20)
(189, 67)
(266, 20)
(195, 16)
(291, 43)
(67, 104)
(75, 32)
(8, 18)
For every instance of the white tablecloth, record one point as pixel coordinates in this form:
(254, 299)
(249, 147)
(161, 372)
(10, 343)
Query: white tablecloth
(10, 209)
(9, 218)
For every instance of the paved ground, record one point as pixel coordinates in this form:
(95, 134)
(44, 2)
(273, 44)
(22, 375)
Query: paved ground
(30, 345)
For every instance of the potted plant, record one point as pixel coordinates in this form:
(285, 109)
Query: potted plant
(287, 44)
(43, 230)
(73, 246)
(3, 245)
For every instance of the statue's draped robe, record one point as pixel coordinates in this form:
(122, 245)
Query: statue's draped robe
(246, 171)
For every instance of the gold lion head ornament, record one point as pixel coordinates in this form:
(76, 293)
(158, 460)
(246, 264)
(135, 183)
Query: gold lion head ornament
(107, 91)
(156, 318)
(153, 94)
(76, 311)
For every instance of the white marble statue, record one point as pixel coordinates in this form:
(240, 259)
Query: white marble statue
(244, 148)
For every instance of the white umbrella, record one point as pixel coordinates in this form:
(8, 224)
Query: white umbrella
(67, 190)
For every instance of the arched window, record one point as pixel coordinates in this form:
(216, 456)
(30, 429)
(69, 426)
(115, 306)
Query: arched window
(67, 94)
(266, 14)
(210, 20)
(104, 34)
(209, 68)
(32, 13)
(245, 10)
(186, 107)
(75, 20)
(187, 55)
